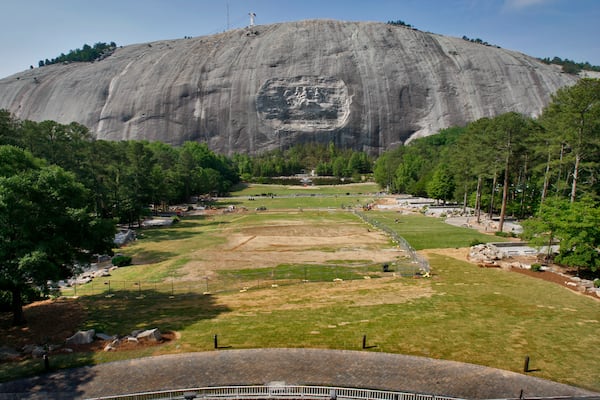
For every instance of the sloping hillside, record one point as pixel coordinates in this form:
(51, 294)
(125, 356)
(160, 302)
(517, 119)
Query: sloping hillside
(363, 85)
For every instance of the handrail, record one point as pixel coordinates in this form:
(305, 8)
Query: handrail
(275, 391)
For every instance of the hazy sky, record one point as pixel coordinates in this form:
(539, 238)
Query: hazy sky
(32, 30)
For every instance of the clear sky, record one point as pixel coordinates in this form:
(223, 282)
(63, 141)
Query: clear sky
(32, 30)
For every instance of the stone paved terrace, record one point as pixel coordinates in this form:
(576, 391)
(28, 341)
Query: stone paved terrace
(316, 367)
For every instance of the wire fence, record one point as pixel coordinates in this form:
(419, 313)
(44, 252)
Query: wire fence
(419, 263)
(277, 392)
(236, 280)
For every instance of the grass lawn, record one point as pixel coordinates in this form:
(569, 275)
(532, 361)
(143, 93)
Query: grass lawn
(256, 189)
(463, 313)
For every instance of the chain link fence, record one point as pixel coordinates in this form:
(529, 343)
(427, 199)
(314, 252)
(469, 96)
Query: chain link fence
(416, 264)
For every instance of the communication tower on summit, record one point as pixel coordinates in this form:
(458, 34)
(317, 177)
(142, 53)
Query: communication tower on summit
(252, 16)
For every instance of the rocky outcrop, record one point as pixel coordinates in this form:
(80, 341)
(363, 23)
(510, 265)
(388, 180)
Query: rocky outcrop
(81, 337)
(368, 86)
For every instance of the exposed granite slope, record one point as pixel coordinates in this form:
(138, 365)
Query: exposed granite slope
(360, 84)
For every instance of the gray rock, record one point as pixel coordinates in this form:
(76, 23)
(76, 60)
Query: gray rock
(109, 347)
(150, 334)
(38, 352)
(28, 348)
(8, 354)
(104, 336)
(136, 332)
(81, 337)
(363, 85)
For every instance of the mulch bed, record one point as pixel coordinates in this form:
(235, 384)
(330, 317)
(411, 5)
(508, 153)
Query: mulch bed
(555, 278)
(53, 321)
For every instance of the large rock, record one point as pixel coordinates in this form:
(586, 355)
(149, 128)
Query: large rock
(8, 354)
(368, 86)
(149, 334)
(81, 337)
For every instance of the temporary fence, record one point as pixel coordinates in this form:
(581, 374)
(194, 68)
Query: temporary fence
(227, 281)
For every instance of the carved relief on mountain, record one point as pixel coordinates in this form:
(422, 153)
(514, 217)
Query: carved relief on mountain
(303, 103)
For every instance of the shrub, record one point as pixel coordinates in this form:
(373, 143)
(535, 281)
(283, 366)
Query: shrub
(505, 234)
(597, 282)
(121, 260)
(536, 267)
(475, 242)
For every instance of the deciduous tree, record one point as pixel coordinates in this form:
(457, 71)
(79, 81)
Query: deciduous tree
(45, 225)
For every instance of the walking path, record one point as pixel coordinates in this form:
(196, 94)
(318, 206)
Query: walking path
(358, 369)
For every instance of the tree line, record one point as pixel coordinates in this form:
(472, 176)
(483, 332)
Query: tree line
(570, 66)
(86, 54)
(123, 177)
(324, 160)
(544, 170)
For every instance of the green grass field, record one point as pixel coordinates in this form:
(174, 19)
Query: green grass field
(464, 313)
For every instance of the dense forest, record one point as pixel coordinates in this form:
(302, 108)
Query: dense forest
(323, 160)
(543, 170)
(125, 178)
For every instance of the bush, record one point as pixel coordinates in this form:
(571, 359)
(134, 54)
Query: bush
(505, 234)
(536, 267)
(475, 242)
(597, 282)
(121, 261)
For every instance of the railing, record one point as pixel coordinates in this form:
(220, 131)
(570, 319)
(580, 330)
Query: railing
(277, 392)
(420, 264)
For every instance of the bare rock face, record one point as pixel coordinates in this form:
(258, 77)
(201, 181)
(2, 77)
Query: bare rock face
(368, 86)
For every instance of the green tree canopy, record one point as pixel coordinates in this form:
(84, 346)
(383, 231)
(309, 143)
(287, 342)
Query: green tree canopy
(575, 225)
(45, 225)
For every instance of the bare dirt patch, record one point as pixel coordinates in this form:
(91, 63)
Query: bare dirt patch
(49, 321)
(291, 242)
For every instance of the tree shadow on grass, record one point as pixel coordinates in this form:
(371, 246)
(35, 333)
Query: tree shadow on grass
(115, 313)
(152, 257)
(123, 311)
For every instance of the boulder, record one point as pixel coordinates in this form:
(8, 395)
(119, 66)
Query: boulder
(39, 352)
(81, 337)
(485, 254)
(150, 334)
(8, 354)
(109, 347)
(104, 336)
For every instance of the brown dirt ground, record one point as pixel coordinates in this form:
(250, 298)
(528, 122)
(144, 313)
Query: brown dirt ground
(291, 242)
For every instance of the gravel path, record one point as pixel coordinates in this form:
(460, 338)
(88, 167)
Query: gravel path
(359, 369)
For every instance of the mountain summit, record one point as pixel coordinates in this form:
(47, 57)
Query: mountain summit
(363, 85)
